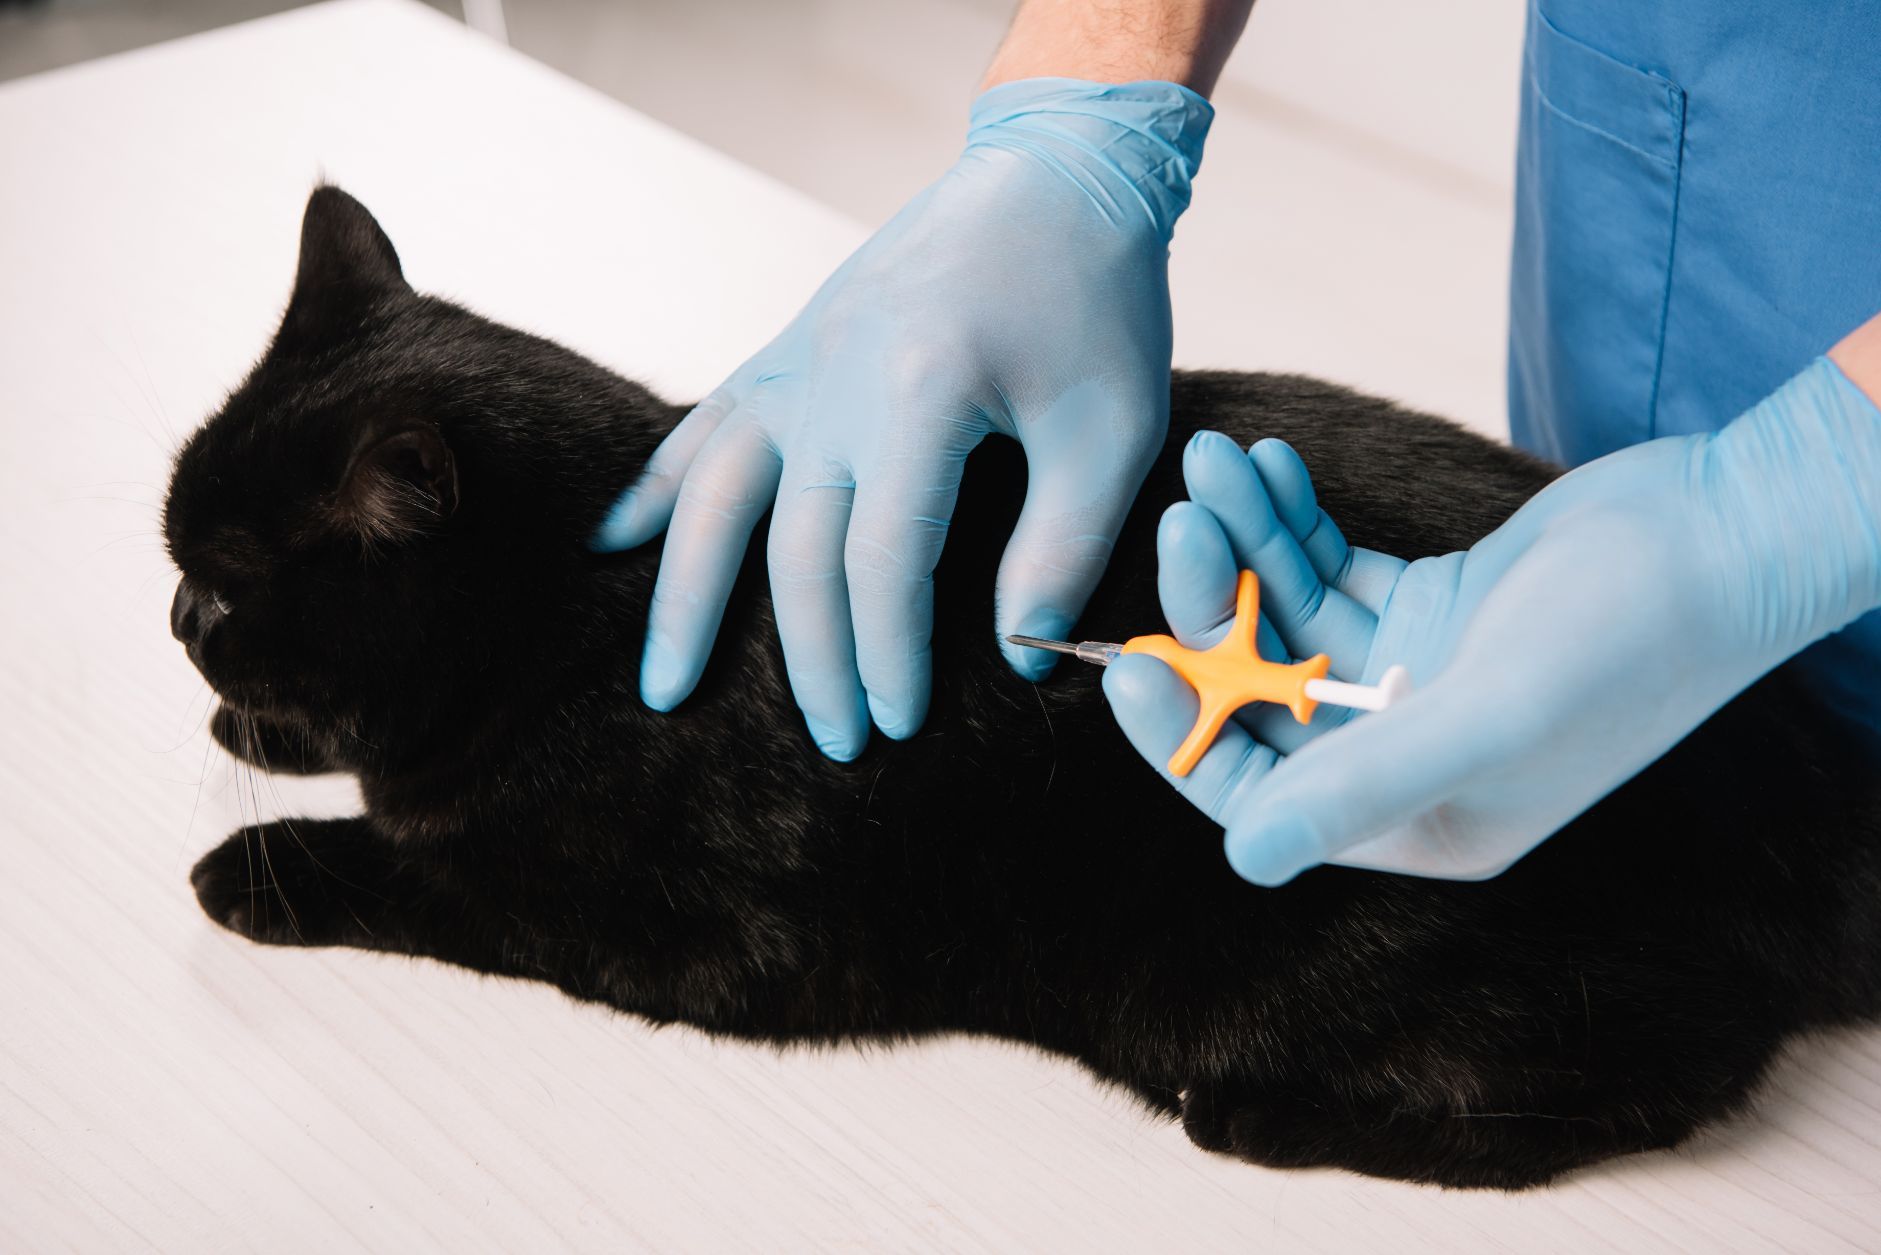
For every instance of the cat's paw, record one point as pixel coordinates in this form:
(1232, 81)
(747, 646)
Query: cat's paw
(1264, 1126)
(237, 889)
(1503, 1149)
(268, 884)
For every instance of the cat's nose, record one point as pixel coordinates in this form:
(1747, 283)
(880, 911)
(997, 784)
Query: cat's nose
(192, 613)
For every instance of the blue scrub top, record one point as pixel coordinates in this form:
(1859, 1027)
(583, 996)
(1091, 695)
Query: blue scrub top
(1698, 216)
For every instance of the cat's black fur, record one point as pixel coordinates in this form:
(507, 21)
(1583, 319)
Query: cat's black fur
(383, 541)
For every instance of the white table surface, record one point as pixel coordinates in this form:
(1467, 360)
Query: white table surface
(165, 1085)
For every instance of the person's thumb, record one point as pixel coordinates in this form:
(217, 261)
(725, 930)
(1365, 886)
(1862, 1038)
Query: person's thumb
(1380, 774)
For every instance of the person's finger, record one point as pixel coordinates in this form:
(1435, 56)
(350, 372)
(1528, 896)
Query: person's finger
(729, 487)
(1361, 574)
(1370, 777)
(810, 598)
(1196, 577)
(1075, 504)
(1156, 708)
(1310, 617)
(642, 511)
(894, 542)
(1290, 488)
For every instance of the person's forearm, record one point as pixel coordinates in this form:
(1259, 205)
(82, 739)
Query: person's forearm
(1121, 41)
(1859, 356)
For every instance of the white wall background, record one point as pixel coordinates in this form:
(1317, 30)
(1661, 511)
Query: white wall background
(1363, 148)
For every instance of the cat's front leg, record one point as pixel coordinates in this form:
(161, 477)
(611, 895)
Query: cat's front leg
(310, 882)
(340, 882)
(270, 744)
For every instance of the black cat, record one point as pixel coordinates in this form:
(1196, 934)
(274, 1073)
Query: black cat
(385, 571)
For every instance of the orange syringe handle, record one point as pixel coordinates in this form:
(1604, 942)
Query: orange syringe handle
(1231, 674)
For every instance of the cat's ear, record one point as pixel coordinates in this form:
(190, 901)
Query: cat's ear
(400, 485)
(346, 262)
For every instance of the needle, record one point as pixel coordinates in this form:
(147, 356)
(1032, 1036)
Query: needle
(1103, 653)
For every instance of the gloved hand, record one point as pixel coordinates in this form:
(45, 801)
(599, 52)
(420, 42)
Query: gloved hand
(1025, 293)
(1553, 660)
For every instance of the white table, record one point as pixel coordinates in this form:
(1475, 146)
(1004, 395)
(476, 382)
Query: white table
(164, 1084)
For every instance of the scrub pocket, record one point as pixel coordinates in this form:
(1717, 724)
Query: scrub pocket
(1597, 182)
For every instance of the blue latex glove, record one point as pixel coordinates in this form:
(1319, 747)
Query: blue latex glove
(1555, 659)
(1025, 293)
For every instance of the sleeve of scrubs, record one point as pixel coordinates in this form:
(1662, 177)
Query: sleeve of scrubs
(1555, 659)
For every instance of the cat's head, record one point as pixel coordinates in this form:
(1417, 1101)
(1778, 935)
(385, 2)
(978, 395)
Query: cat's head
(399, 491)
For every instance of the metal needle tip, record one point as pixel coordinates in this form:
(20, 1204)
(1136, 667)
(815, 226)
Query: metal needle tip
(1039, 642)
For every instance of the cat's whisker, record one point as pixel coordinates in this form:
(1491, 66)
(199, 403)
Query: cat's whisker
(347, 724)
(151, 407)
(248, 852)
(154, 396)
(143, 586)
(142, 505)
(133, 483)
(260, 755)
(251, 741)
(112, 542)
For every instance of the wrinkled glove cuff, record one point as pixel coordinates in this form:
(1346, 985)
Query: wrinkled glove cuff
(1133, 147)
(1801, 472)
